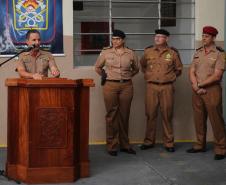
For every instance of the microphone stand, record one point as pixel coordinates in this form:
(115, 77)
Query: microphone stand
(14, 56)
(2, 172)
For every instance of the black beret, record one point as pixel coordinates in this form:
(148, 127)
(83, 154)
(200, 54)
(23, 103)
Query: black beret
(163, 32)
(118, 33)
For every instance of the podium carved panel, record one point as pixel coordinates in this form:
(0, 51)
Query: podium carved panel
(52, 128)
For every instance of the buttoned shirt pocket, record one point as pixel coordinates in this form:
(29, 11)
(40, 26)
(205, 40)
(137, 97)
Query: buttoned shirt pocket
(44, 62)
(196, 61)
(109, 61)
(28, 65)
(168, 63)
(126, 63)
(211, 62)
(43, 65)
(151, 63)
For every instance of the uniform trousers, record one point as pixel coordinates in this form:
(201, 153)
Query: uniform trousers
(209, 104)
(159, 96)
(117, 97)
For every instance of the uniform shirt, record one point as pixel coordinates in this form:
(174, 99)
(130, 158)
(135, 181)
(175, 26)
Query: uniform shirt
(118, 66)
(160, 66)
(38, 64)
(205, 63)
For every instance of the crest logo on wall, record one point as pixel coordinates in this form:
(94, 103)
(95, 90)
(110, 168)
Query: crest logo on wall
(30, 14)
(19, 16)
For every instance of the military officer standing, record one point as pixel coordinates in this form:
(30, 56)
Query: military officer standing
(205, 74)
(120, 64)
(161, 66)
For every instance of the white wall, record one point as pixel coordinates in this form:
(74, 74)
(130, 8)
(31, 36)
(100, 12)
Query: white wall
(209, 12)
(68, 17)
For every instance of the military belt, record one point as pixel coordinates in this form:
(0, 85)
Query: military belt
(160, 83)
(120, 81)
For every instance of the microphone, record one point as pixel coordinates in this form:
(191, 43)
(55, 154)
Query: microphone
(29, 48)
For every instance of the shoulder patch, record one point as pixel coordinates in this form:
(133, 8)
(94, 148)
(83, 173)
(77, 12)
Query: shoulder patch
(149, 47)
(220, 49)
(199, 48)
(109, 47)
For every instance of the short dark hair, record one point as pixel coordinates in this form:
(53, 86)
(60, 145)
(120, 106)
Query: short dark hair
(30, 32)
(162, 32)
(118, 33)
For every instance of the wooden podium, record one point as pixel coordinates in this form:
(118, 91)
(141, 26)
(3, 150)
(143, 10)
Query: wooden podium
(48, 130)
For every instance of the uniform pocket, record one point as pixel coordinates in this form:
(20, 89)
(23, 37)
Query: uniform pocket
(151, 62)
(212, 62)
(127, 63)
(169, 62)
(109, 60)
(28, 65)
(45, 63)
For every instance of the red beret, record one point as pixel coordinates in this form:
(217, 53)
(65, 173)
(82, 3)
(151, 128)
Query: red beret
(210, 30)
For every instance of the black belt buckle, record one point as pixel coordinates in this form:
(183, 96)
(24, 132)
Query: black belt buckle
(121, 81)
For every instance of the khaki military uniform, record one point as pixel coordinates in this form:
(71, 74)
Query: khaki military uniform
(161, 68)
(38, 64)
(118, 93)
(210, 103)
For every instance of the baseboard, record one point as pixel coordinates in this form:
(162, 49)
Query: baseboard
(132, 142)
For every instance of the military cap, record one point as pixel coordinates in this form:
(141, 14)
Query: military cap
(210, 30)
(162, 32)
(118, 33)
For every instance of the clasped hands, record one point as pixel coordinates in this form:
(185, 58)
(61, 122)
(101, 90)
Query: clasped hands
(199, 90)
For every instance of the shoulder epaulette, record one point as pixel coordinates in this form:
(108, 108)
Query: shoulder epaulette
(109, 47)
(129, 48)
(220, 49)
(199, 48)
(174, 49)
(149, 47)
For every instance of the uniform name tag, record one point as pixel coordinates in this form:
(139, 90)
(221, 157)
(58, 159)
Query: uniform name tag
(45, 58)
(213, 59)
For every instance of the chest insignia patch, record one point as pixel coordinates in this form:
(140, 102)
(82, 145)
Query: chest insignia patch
(168, 56)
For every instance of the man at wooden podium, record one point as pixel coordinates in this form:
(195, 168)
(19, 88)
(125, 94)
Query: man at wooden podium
(36, 62)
